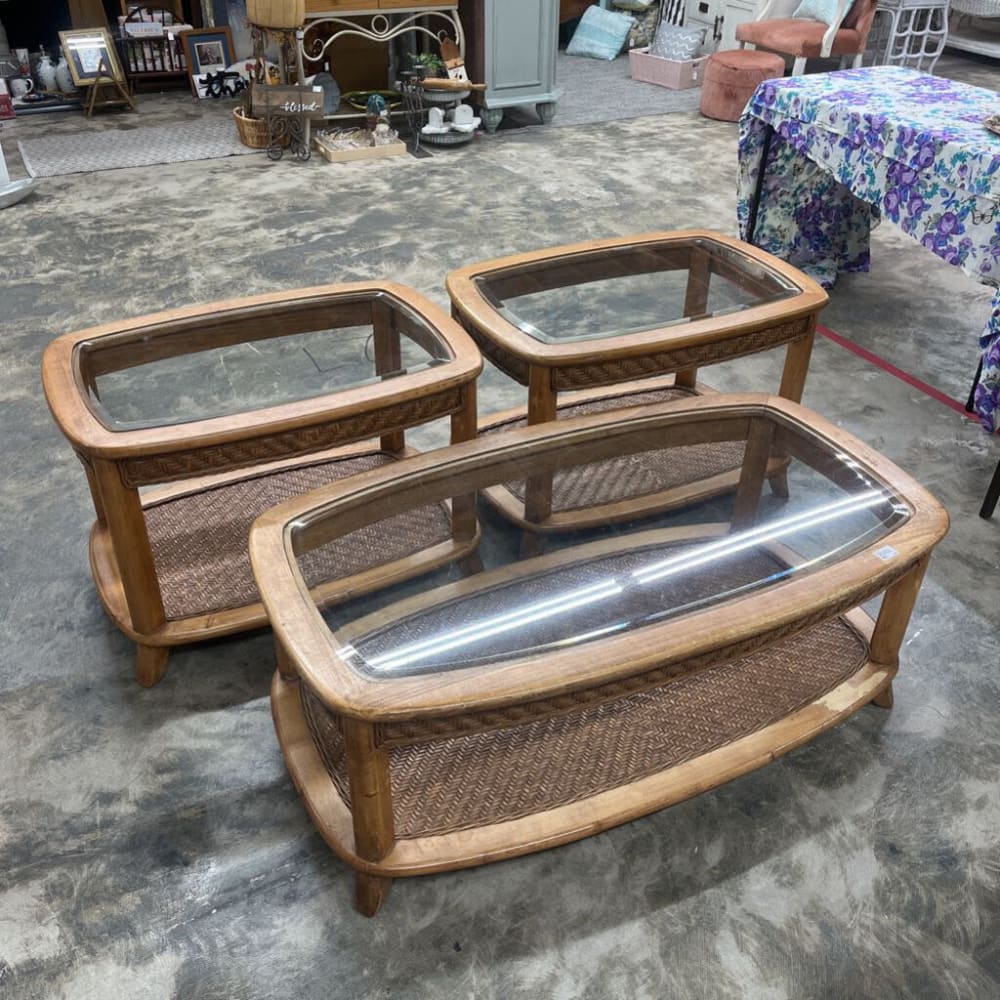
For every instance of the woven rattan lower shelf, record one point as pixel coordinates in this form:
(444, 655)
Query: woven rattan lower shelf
(467, 800)
(198, 536)
(628, 487)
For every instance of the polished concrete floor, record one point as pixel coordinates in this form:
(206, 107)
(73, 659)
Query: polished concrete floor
(151, 844)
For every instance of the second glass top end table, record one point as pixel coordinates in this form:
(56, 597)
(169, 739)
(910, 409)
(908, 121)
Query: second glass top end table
(625, 322)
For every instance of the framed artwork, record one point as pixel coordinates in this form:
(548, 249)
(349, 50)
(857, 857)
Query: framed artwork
(207, 50)
(85, 50)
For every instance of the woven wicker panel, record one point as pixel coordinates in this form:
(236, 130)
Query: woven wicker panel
(274, 447)
(199, 541)
(489, 777)
(508, 362)
(639, 475)
(613, 370)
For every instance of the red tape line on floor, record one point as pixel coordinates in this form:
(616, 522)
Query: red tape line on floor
(911, 380)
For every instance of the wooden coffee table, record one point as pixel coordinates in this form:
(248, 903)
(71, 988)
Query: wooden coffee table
(466, 720)
(607, 321)
(239, 405)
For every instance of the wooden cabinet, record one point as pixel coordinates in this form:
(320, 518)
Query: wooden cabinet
(511, 47)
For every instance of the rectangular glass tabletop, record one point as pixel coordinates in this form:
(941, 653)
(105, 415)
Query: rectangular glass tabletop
(610, 292)
(216, 366)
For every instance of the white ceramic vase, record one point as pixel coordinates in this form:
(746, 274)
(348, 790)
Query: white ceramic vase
(46, 73)
(64, 79)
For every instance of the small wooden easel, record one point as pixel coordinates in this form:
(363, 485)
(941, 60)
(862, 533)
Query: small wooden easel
(98, 83)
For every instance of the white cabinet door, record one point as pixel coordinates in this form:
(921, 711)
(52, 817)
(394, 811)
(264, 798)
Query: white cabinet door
(705, 14)
(736, 12)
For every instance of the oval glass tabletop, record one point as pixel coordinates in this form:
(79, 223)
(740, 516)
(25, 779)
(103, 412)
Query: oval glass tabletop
(590, 590)
(623, 574)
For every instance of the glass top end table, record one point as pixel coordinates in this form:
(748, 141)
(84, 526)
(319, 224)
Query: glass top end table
(631, 665)
(231, 407)
(630, 321)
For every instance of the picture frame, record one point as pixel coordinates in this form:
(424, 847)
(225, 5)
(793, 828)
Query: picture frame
(84, 49)
(207, 50)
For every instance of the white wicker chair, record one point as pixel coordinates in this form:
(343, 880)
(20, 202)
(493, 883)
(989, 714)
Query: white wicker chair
(975, 26)
(977, 8)
(913, 33)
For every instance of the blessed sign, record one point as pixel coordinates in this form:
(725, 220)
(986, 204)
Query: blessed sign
(287, 100)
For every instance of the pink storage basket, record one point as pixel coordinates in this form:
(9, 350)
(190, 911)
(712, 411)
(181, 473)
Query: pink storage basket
(676, 74)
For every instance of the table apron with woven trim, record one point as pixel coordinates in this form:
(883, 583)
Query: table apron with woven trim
(842, 150)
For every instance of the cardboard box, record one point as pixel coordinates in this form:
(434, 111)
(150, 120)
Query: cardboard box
(673, 73)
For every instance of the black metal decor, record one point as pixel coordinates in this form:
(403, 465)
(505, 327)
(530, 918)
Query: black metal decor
(412, 88)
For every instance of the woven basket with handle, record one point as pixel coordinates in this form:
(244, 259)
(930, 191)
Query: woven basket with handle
(253, 131)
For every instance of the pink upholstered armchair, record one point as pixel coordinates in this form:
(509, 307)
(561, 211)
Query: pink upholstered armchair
(805, 39)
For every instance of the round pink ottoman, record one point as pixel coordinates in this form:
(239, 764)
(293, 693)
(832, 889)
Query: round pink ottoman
(732, 77)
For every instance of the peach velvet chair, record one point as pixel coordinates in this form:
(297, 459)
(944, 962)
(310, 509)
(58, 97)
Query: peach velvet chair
(807, 39)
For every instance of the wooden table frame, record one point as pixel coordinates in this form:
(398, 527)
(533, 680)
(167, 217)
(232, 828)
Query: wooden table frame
(599, 368)
(205, 454)
(376, 714)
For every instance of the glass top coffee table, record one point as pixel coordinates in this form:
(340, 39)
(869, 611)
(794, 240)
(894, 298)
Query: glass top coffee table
(239, 405)
(452, 720)
(608, 320)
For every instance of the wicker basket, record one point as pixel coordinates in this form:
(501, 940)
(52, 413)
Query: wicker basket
(253, 131)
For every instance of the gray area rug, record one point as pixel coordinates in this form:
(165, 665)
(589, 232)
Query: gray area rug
(593, 91)
(84, 152)
(598, 91)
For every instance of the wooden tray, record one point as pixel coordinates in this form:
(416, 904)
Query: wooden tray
(396, 148)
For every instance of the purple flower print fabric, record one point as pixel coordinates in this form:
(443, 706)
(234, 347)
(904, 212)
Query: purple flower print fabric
(853, 147)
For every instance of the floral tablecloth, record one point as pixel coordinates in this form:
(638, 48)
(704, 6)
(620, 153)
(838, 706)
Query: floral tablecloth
(850, 147)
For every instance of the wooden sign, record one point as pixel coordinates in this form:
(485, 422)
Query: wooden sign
(451, 55)
(288, 101)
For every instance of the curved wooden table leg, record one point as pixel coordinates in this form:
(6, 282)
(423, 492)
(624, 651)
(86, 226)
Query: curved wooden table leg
(884, 698)
(793, 380)
(151, 664)
(371, 808)
(370, 892)
(893, 617)
(542, 408)
(779, 484)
